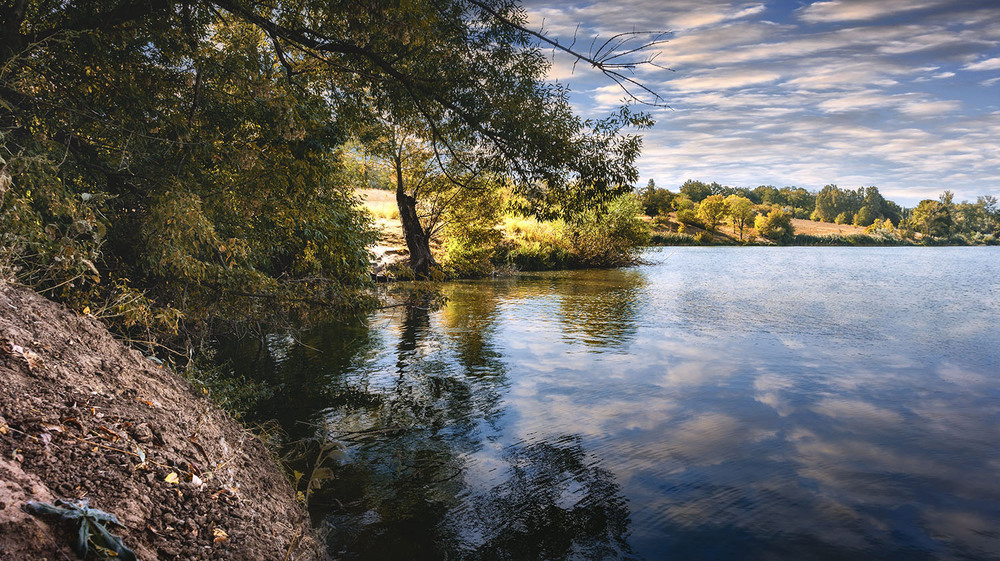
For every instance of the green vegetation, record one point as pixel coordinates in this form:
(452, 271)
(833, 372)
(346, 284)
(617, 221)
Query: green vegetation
(611, 237)
(775, 225)
(176, 166)
(770, 210)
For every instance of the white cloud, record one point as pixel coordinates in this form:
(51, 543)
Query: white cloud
(887, 98)
(722, 80)
(855, 10)
(930, 108)
(988, 64)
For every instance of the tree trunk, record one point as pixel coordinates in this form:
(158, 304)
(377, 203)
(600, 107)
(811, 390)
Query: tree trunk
(417, 241)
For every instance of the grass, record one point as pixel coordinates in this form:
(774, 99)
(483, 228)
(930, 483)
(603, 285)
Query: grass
(381, 203)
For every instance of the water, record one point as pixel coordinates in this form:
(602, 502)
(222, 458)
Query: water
(718, 403)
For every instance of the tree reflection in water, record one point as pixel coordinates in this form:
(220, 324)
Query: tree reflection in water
(601, 308)
(413, 412)
(555, 504)
(405, 493)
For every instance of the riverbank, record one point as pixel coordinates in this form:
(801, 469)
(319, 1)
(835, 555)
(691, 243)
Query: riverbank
(84, 417)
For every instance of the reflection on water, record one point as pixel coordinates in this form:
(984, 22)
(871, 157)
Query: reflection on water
(744, 403)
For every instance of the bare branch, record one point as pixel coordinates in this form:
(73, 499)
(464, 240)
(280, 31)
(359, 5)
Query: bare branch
(602, 57)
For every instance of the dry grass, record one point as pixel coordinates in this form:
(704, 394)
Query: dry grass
(382, 204)
(824, 228)
(725, 231)
(517, 227)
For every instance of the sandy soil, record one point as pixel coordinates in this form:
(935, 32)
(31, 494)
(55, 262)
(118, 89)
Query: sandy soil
(82, 416)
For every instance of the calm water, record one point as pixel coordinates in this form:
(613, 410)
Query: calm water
(718, 403)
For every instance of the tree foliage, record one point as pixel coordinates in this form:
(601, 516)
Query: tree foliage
(775, 225)
(712, 211)
(203, 152)
(740, 212)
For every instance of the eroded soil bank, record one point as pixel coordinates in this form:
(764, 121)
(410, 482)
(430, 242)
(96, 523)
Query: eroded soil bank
(82, 416)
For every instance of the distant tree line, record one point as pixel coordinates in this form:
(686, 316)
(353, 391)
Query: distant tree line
(931, 221)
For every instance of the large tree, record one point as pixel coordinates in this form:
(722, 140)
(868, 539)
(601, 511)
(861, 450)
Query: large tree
(189, 146)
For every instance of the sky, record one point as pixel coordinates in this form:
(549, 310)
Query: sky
(900, 94)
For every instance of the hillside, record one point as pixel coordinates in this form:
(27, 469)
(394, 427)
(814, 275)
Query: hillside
(84, 417)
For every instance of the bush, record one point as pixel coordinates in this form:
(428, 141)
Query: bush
(848, 240)
(689, 216)
(670, 238)
(471, 235)
(469, 249)
(612, 238)
(776, 225)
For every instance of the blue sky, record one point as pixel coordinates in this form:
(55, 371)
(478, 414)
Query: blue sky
(901, 94)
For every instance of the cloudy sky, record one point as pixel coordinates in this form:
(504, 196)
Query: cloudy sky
(901, 94)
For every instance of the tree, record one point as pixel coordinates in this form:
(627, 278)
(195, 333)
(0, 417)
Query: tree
(864, 217)
(655, 201)
(191, 147)
(712, 211)
(776, 225)
(832, 201)
(740, 211)
(932, 218)
(696, 190)
(213, 184)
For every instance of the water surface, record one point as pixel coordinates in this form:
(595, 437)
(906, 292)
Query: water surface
(717, 403)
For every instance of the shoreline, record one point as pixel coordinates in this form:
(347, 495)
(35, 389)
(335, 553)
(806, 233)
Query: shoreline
(84, 417)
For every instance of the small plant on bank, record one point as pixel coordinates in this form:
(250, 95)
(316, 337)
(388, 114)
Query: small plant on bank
(91, 529)
(315, 456)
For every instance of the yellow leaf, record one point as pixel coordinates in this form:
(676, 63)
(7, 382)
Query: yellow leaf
(172, 477)
(86, 310)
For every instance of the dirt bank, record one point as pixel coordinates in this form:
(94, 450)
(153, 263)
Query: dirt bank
(82, 416)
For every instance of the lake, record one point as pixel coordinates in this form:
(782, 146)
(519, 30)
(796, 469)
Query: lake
(715, 403)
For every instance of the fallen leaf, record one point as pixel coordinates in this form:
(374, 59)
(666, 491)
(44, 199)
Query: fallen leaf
(171, 477)
(220, 535)
(51, 427)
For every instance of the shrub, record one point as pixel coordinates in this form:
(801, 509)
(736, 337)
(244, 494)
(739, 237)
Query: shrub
(670, 238)
(776, 225)
(688, 216)
(612, 238)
